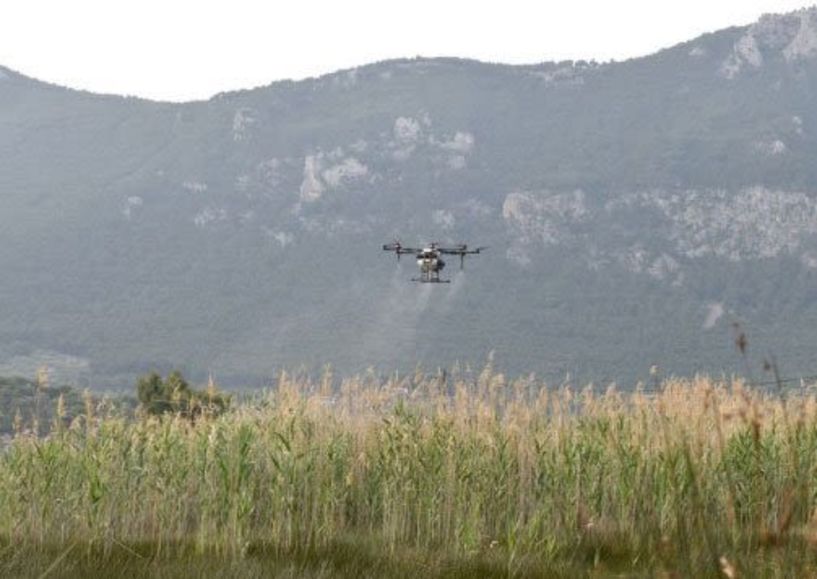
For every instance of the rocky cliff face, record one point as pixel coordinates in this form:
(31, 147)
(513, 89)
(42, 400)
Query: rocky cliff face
(792, 37)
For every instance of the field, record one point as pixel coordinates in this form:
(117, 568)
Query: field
(461, 475)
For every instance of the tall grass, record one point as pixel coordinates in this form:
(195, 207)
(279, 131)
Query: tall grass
(702, 477)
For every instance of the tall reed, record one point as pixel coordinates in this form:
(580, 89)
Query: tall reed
(700, 477)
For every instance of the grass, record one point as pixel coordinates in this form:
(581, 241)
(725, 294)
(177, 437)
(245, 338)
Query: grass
(342, 558)
(463, 476)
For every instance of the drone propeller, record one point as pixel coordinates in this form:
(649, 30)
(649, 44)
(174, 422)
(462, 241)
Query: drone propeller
(395, 247)
(398, 248)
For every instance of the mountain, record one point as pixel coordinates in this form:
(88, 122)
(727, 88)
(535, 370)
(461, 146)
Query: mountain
(633, 210)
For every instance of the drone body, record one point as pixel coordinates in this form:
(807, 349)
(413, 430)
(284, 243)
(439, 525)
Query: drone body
(429, 258)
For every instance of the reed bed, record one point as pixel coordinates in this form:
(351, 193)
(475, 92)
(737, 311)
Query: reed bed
(700, 477)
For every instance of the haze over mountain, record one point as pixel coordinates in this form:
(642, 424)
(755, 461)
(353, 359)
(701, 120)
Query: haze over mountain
(633, 210)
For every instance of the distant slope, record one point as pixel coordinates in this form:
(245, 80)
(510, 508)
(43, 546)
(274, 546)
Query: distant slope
(633, 210)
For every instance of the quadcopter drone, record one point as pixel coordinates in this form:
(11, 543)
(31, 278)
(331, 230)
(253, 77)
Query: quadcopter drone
(429, 260)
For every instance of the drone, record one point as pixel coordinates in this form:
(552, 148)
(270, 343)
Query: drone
(429, 260)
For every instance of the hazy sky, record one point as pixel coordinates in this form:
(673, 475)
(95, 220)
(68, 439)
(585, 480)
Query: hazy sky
(190, 49)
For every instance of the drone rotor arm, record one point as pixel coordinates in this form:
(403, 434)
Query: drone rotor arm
(399, 250)
(463, 250)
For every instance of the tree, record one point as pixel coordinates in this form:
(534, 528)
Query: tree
(174, 395)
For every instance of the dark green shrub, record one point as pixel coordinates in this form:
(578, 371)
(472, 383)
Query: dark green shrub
(175, 396)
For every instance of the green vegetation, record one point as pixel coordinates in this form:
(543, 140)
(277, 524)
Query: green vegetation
(26, 404)
(450, 477)
(36, 407)
(175, 396)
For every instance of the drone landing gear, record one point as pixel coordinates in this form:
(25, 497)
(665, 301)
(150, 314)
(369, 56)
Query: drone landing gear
(432, 280)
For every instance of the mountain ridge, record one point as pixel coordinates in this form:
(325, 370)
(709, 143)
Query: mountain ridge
(804, 43)
(278, 83)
